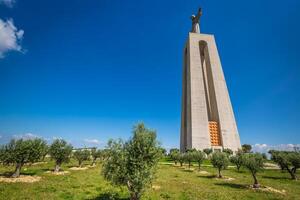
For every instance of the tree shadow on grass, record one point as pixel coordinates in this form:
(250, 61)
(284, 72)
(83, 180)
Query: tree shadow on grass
(28, 173)
(208, 177)
(6, 174)
(108, 196)
(232, 185)
(187, 170)
(276, 178)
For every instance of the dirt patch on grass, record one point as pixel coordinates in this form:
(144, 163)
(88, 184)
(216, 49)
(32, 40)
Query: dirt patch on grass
(38, 163)
(155, 187)
(189, 169)
(225, 178)
(203, 172)
(271, 166)
(57, 173)
(78, 168)
(268, 189)
(21, 179)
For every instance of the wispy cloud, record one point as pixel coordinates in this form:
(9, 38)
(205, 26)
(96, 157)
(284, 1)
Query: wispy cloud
(8, 3)
(92, 141)
(10, 37)
(264, 148)
(25, 136)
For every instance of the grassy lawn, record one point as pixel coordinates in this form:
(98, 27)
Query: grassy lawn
(173, 182)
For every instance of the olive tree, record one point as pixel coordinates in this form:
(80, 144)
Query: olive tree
(246, 148)
(189, 157)
(82, 155)
(207, 151)
(95, 154)
(228, 151)
(133, 163)
(181, 158)
(199, 157)
(174, 155)
(60, 151)
(254, 162)
(287, 160)
(19, 152)
(237, 160)
(220, 161)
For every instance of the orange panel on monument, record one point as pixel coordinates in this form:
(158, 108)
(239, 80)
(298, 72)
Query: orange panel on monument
(214, 134)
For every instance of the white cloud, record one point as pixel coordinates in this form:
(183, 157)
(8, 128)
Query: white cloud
(264, 148)
(25, 136)
(92, 141)
(8, 3)
(10, 37)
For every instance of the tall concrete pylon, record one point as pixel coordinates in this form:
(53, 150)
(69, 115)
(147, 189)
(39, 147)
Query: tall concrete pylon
(207, 118)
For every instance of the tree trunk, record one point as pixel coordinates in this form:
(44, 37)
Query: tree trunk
(134, 196)
(238, 167)
(256, 184)
(175, 162)
(293, 175)
(199, 166)
(189, 164)
(17, 171)
(220, 175)
(94, 162)
(80, 164)
(180, 164)
(57, 167)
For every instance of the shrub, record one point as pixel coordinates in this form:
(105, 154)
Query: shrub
(19, 152)
(82, 155)
(220, 161)
(255, 163)
(133, 163)
(60, 151)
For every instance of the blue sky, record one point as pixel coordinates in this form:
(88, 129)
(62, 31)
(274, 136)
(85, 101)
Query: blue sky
(88, 70)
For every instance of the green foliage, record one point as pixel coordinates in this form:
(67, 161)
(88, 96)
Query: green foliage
(174, 155)
(45, 152)
(82, 155)
(228, 151)
(163, 151)
(189, 157)
(287, 160)
(254, 162)
(96, 154)
(207, 151)
(237, 160)
(246, 148)
(199, 157)
(60, 151)
(181, 158)
(220, 161)
(133, 163)
(19, 152)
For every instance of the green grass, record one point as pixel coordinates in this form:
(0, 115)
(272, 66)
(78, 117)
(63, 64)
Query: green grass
(173, 182)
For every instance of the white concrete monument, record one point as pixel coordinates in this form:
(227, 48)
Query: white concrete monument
(207, 118)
